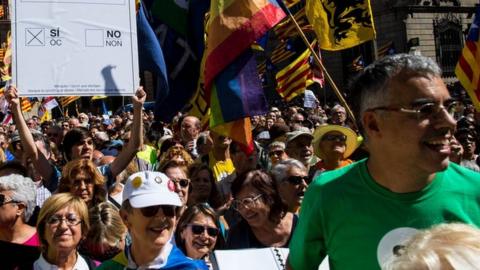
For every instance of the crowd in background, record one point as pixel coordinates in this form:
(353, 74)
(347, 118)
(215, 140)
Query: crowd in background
(75, 174)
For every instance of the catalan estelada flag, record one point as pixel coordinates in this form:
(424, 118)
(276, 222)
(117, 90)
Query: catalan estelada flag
(292, 79)
(341, 24)
(468, 66)
(232, 85)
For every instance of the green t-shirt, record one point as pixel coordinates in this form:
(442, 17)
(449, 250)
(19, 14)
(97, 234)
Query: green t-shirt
(358, 223)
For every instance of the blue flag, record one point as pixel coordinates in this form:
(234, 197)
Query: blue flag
(150, 55)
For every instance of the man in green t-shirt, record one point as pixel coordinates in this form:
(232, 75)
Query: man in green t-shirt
(360, 215)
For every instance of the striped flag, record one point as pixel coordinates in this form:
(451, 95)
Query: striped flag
(341, 25)
(468, 66)
(64, 101)
(357, 64)
(292, 80)
(232, 84)
(25, 104)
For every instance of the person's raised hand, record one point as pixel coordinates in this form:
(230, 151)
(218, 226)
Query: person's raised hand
(139, 98)
(11, 95)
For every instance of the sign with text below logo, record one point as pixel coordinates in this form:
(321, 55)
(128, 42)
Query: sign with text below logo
(74, 47)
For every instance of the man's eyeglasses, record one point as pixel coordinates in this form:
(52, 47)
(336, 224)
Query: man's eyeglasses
(150, 211)
(334, 138)
(199, 229)
(247, 203)
(3, 200)
(296, 180)
(276, 153)
(425, 110)
(70, 220)
(182, 182)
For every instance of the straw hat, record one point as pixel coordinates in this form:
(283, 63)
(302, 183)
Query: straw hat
(350, 145)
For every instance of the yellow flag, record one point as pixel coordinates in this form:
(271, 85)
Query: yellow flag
(341, 24)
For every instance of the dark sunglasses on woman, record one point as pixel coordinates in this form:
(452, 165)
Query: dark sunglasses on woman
(199, 229)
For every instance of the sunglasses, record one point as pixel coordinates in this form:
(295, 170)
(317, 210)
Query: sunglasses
(297, 180)
(182, 182)
(336, 138)
(150, 211)
(4, 201)
(199, 229)
(70, 220)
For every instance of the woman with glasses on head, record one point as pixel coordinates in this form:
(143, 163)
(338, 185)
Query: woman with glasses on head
(265, 220)
(198, 232)
(333, 144)
(81, 178)
(62, 224)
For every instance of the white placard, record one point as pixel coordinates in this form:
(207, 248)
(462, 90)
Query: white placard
(74, 47)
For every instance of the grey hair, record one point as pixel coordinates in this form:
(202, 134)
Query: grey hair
(23, 190)
(279, 171)
(369, 88)
(275, 144)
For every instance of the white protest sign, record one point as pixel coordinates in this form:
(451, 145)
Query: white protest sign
(74, 47)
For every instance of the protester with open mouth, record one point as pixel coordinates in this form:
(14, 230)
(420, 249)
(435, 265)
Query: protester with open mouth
(198, 232)
(265, 219)
(291, 178)
(150, 209)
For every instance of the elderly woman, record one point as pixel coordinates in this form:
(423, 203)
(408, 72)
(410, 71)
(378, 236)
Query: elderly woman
(334, 144)
(81, 178)
(265, 220)
(198, 232)
(62, 224)
(290, 176)
(106, 237)
(17, 202)
(276, 152)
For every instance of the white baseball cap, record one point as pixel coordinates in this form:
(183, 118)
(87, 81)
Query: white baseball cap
(149, 188)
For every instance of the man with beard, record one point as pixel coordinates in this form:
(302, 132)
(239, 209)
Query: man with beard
(360, 214)
(150, 211)
(299, 147)
(291, 178)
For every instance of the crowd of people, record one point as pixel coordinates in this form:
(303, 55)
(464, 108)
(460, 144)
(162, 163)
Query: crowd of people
(130, 192)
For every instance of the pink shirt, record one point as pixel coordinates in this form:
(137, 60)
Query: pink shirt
(33, 241)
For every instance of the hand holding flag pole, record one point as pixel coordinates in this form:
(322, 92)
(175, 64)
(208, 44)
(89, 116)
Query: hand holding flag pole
(318, 62)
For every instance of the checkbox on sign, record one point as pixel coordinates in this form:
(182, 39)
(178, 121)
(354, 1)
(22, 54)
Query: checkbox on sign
(94, 38)
(34, 37)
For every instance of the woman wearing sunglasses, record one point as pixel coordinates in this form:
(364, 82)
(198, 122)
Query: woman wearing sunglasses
(333, 144)
(198, 233)
(62, 224)
(265, 220)
(81, 178)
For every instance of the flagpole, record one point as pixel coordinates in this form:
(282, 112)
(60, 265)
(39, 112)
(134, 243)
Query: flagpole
(319, 62)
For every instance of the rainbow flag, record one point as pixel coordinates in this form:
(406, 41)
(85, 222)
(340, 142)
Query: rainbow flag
(468, 66)
(232, 85)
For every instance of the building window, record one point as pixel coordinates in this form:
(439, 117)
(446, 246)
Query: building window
(448, 44)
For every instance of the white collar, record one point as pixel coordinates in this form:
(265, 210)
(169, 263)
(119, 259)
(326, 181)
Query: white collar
(158, 262)
(42, 264)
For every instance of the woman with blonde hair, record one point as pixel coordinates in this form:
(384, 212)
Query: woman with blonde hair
(445, 246)
(106, 236)
(62, 224)
(82, 178)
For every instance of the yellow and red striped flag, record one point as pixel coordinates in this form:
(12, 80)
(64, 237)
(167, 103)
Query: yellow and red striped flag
(64, 101)
(292, 80)
(7, 60)
(26, 104)
(468, 66)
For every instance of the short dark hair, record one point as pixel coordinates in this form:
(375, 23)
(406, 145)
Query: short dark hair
(262, 182)
(74, 136)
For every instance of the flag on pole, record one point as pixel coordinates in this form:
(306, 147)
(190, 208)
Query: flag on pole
(292, 79)
(65, 101)
(232, 84)
(341, 24)
(468, 66)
